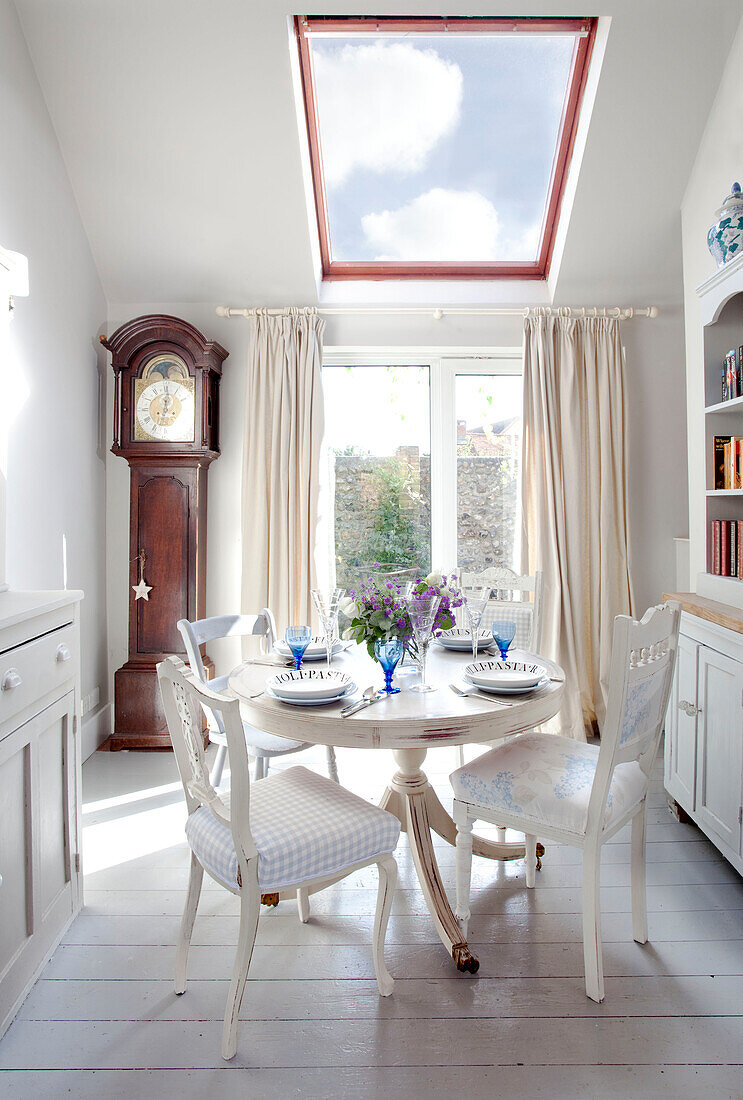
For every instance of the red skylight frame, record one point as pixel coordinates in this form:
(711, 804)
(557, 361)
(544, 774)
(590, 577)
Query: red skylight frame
(367, 269)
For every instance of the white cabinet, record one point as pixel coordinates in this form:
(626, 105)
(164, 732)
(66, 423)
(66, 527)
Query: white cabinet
(719, 739)
(39, 784)
(681, 726)
(704, 732)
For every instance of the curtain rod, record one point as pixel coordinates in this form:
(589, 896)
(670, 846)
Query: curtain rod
(621, 313)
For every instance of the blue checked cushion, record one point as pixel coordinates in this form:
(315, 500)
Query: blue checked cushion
(304, 827)
(547, 779)
(522, 617)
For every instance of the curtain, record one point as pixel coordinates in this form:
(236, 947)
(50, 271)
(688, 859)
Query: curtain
(281, 465)
(575, 501)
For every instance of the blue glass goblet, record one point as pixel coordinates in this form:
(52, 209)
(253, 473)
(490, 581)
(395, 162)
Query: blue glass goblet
(298, 638)
(388, 654)
(503, 632)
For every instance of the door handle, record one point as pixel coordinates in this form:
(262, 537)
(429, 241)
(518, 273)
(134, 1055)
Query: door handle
(689, 709)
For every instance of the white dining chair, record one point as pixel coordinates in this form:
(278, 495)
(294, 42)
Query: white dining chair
(511, 597)
(514, 597)
(295, 831)
(579, 794)
(263, 747)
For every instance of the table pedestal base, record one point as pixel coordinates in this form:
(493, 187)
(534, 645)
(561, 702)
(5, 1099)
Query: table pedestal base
(412, 799)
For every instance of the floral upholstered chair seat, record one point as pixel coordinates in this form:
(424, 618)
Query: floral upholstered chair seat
(547, 779)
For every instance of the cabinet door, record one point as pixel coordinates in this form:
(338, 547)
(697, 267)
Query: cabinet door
(38, 893)
(719, 741)
(681, 726)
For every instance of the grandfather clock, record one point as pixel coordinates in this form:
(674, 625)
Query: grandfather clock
(166, 419)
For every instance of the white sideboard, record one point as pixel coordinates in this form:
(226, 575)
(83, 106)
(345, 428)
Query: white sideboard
(40, 879)
(704, 726)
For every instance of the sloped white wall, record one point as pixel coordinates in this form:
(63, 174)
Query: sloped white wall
(56, 465)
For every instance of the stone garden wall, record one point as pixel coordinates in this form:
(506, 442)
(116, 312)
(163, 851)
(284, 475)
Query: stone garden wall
(373, 495)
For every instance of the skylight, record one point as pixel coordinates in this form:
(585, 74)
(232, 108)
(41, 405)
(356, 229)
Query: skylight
(440, 147)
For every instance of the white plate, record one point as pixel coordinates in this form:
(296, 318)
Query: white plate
(460, 639)
(309, 683)
(315, 651)
(505, 675)
(313, 702)
(492, 690)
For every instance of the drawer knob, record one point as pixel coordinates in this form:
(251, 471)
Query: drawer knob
(689, 709)
(63, 653)
(11, 679)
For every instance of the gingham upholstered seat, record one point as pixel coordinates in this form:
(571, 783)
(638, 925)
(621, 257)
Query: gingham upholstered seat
(547, 780)
(304, 827)
(522, 617)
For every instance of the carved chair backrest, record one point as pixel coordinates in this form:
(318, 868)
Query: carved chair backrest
(511, 597)
(642, 662)
(183, 698)
(198, 633)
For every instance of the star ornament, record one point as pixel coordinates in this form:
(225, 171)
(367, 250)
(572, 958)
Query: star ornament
(142, 590)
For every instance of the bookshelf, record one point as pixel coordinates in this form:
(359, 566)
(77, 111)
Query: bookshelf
(721, 302)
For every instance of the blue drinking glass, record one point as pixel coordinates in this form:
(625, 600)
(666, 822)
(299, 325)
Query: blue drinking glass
(503, 633)
(388, 654)
(298, 638)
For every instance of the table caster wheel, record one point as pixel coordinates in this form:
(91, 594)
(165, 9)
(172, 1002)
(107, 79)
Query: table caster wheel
(464, 959)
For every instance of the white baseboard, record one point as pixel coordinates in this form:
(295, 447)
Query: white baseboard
(96, 727)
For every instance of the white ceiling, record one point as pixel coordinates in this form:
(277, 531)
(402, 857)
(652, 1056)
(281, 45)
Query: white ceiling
(177, 121)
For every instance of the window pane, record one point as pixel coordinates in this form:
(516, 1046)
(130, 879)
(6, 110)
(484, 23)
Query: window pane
(439, 143)
(378, 442)
(488, 410)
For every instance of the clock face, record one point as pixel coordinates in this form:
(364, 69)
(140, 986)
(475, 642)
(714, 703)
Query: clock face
(164, 402)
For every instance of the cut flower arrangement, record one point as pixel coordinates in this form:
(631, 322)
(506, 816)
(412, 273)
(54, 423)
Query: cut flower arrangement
(378, 610)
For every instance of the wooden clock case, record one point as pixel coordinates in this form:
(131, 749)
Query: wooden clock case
(168, 499)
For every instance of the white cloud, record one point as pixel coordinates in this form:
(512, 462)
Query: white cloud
(446, 225)
(383, 107)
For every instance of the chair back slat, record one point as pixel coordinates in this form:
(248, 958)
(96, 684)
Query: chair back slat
(198, 633)
(511, 597)
(642, 662)
(183, 699)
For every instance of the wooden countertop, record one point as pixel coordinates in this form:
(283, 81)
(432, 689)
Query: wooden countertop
(721, 613)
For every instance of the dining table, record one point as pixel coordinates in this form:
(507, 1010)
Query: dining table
(409, 724)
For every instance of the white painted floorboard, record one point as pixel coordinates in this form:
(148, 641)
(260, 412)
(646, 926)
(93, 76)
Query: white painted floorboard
(103, 1020)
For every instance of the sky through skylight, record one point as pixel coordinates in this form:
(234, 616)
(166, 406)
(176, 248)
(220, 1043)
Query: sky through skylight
(439, 147)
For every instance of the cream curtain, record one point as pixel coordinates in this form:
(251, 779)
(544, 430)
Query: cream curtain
(575, 500)
(281, 476)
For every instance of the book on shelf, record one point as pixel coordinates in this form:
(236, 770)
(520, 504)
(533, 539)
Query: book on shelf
(732, 374)
(728, 461)
(726, 548)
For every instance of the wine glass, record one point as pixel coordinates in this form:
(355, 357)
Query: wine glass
(474, 606)
(298, 638)
(388, 654)
(422, 613)
(503, 634)
(327, 605)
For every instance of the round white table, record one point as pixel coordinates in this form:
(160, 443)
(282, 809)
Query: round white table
(409, 724)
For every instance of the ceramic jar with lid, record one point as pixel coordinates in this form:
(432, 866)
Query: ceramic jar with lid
(725, 238)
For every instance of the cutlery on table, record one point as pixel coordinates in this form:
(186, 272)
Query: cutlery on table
(280, 663)
(480, 694)
(370, 696)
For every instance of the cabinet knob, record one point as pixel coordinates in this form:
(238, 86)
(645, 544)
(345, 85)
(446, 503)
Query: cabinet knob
(63, 653)
(688, 708)
(11, 679)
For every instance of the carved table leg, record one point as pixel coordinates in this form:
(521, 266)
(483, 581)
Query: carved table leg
(407, 798)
